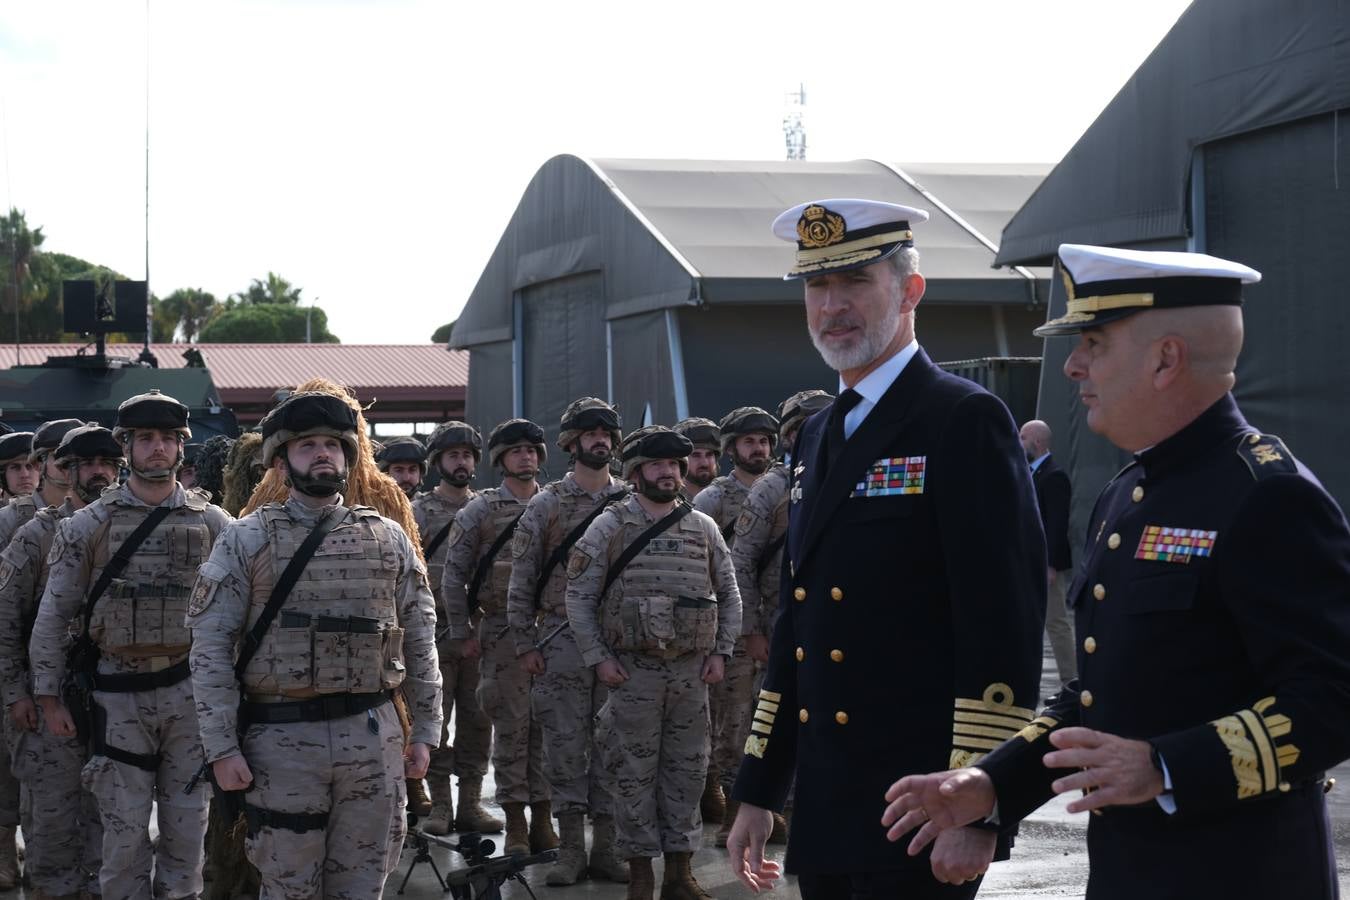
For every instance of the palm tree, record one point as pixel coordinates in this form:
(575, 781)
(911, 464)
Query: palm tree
(18, 244)
(191, 309)
(275, 289)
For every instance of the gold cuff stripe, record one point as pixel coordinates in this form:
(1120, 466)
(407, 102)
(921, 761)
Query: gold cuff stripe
(981, 731)
(761, 728)
(989, 719)
(979, 743)
(762, 716)
(1287, 755)
(768, 707)
(820, 254)
(1025, 715)
(1116, 301)
(1039, 726)
(771, 696)
(962, 758)
(1278, 726)
(1241, 754)
(1264, 748)
(851, 259)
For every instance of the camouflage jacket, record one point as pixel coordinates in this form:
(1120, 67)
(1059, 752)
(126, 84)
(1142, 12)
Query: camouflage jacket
(763, 522)
(432, 512)
(721, 501)
(476, 527)
(15, 514)
(23, 573)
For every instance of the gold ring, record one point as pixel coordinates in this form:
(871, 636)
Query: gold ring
(923, 812)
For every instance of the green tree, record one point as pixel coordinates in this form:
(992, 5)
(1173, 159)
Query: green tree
(27, 298)
(274, 290)
(266, 323)
(187, 310)
(442, 335)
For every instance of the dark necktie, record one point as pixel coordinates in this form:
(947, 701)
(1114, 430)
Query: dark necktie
(834, 428)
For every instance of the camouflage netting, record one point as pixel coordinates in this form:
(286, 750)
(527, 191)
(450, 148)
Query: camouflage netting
(211, 463)
(241, 473)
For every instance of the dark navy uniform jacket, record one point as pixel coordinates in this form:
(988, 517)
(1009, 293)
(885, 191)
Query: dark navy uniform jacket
(909, 637)
(1213, 611)
(1054, 493)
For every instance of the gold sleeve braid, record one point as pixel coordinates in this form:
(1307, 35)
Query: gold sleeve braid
(1253, 750)
(981, 725)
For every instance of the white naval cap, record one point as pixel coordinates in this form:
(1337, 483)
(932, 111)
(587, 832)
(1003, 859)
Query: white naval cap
(1108, 283)
(841, 234)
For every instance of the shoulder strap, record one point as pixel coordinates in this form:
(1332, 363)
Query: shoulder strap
(769, 550)
(486, 562)
(120, 558)
(681, 510)
(560, 552)
(429, 550)
(282, 589)
(729, 530)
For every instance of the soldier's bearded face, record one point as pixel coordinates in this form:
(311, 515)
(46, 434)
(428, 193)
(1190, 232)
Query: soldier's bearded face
(21, 477)
(751, 452)
(594, 448)
(457, 466)
(702, 466)
(319, 458)
(408, 477)
(660, 480)
(187, 476)
(521, 463)
(92, 476)
(853, 316)
(154, 450)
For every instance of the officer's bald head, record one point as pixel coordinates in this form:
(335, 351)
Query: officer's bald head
(1212, 336)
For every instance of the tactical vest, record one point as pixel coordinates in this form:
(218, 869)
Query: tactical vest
(437, 513)
(503, 509)
(734, 495)
(49, 518)
(337, 632)
(572, 508)
(25, 508)
(141, 613)
(663, 603)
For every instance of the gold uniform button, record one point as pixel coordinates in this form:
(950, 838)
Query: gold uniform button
(841, 717)
(801, 654)
(1090, 645)
(1085, 698)
(1137, 494)
(802, 716)
(799, 594)
(1113, 541)
(1099, 591)
(1328, 785)
(1284, 787)
(1254, 439)
(836, 594)
(837, 655)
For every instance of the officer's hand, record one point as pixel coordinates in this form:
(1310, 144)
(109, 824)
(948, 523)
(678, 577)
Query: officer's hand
(962, 854)
(1115, 771)
(757, 645)
(938, 801)
(714, 668)
(59, 722)
(470, 648)
(23, 714)
(1050, 574)
(416, 759)
(745, 846)
(532, 661)
(611, 673)
(232, 773)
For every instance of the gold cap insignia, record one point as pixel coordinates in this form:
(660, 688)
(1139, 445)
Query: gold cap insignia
(818, 227)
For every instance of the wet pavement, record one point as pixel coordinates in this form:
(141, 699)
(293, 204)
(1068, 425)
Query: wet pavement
(1049, 861)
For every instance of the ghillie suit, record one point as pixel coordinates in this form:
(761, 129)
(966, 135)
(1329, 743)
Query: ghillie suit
(242, 473)
(211, 464)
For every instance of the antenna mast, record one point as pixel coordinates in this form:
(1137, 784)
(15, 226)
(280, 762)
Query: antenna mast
(794, 129)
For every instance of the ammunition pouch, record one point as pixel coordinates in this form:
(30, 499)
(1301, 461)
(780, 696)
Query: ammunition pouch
(667, 625)
(139, 620)
(308, 654)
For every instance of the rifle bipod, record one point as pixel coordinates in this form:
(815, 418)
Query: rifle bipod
(483, 876)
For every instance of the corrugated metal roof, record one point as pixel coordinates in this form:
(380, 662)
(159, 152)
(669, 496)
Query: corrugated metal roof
(366, 368)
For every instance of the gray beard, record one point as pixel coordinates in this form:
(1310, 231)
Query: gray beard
(871, 345)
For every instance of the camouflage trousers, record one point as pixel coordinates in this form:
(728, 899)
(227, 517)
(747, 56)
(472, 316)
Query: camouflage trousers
(62, 833)
(653, 737)
(350, 768)
(467, 755)
(517, 742)
(159, 722)
(9, 790)
(565, 700)
(732, 706)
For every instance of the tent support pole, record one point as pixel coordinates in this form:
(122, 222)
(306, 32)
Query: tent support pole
(677, 366)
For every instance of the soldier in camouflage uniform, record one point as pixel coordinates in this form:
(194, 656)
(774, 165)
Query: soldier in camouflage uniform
(707, 441)
(658, 631)
(757, 553)
(143, 723)
(454, 450)
(18, 476)
(748, 437)
(404, 460)
(323, 755)
(62, 831)
(477, 577)
(566, 695)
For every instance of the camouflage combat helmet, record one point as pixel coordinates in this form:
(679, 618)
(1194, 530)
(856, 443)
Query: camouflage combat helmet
(515, 433)
(401, 450)
(796, 409)
(309, 413)
(700, 432)
(747, 420)
(453, 434)
(652, 443)
(48, 437)
(584, 414)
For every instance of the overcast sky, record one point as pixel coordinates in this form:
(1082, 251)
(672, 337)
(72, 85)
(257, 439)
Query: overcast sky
(372, 151)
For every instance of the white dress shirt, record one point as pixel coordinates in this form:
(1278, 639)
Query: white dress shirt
(877, 382)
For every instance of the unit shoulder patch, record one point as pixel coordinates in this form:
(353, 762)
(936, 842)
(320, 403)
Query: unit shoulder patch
(202, 594)
(1266, 455)
(578, 561)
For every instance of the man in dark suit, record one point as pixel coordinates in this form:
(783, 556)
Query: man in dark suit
(913, 585)
(1053, 493)
(1214, 605)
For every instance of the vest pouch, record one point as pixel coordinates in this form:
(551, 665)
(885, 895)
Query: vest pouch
(158, 612)
(393, 669)
(492, 595)
(189, 545)
(113, 621)
(695, 624)
(332, 642)
(648, 623)
(289, 668)
(365, 655)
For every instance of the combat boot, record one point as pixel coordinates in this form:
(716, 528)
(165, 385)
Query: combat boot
(9, 860)
(780, 830)
(517, 832)
(679, 883)
(472, 816)
(605, 864)
(419, 804)
(571, 864)
(725, 831)
(713, 803)
(442, 817)
(641, 881)
(542, 835)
